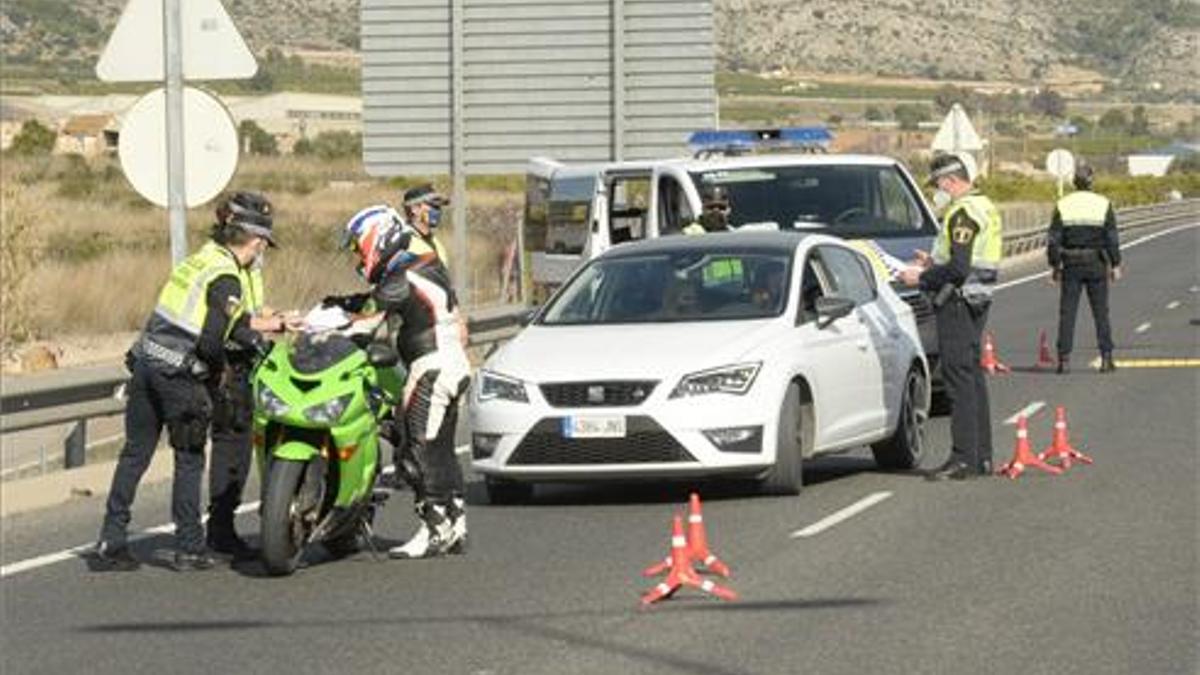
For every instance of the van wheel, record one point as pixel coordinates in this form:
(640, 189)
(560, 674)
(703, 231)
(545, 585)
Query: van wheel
(903, 449)
(787, 476)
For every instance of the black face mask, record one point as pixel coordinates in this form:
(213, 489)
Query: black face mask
(714, 220)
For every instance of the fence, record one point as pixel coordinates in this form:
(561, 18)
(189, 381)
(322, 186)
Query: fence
(77, 395)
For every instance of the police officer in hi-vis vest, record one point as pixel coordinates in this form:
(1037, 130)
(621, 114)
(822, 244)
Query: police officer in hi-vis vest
(959, 275)
(176, 364)
(1084, 251)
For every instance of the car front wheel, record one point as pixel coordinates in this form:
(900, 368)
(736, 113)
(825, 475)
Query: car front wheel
(787, 476)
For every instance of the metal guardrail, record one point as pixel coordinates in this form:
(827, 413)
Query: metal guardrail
(1033, 235)
(76, 395)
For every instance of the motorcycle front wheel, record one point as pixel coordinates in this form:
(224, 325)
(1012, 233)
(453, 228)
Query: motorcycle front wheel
(283, 531)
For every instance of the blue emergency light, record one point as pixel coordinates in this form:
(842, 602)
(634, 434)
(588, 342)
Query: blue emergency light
(739, 141)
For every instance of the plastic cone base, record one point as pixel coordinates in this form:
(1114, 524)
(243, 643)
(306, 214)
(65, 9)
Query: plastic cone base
(682, 574)
(1023, 457)
(990, 362)
(1060, 449)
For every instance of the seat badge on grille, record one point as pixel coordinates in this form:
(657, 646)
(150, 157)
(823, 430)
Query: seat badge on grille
(595, 394)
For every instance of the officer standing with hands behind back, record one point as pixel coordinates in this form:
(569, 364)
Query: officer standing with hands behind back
(1084, 251)
(959, 275)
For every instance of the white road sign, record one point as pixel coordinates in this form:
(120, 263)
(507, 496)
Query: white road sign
(1060, 163)
(211, 146)
(212, 47)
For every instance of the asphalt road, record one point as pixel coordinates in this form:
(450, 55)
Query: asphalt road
(1094, 571)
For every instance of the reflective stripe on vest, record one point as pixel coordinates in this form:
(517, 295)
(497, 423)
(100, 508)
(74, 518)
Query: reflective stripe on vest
(1083, 208)
(183, 300)
(988, 249)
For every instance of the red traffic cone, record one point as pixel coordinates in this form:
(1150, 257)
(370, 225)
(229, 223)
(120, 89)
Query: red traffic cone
(682, 573)
(1061, 447)
(989, 362)
(1023, 457)
(1046, 359)
(698, 548)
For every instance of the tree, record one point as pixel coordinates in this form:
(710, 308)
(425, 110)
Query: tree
(1049, 103)
(947, 96)
(1114, 119)
(1139, 125)
(873, 114)
(255, 141)
(34, 138)
(910, 115)
(330, 145)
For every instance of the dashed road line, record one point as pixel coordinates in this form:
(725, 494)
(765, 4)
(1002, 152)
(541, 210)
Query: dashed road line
(1142, 328)
(846, 513)
(76, 551)
(1028, 411)
(1152, 363)
(1174, 304)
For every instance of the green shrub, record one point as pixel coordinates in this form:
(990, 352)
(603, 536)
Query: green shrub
(33, 139)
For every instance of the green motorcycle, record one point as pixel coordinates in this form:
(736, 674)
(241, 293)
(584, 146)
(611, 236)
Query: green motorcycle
(323, 402)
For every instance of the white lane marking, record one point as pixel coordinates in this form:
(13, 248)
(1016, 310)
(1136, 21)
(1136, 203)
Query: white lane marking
(835, 518)
(1174, 304)
(1027, 411)
(75, 551)
(1142, 328)
(1135, 242)
(1194, 289)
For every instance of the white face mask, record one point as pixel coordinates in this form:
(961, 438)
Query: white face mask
(941, 199)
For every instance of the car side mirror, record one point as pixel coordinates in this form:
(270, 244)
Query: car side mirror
(382, 355)
(832, 308)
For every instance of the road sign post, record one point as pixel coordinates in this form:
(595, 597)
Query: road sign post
(176, 164)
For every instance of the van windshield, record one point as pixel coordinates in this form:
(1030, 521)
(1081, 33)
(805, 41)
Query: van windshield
(687, 285)
(848, 201)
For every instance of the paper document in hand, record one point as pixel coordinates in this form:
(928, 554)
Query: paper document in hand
(326, 318)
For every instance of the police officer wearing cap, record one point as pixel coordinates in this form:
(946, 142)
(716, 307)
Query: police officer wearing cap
(233, 405)
(175, 367)
(1084, 251)
(959, 275)
(715, 210)
(423, 212)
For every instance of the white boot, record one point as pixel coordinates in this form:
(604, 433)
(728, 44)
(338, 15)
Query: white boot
(433, 538)
(458, 523)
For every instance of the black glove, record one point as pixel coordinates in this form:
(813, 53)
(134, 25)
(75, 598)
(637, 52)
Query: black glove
(351, 303)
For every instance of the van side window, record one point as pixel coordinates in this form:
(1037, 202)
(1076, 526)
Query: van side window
(630, 200)
(673, 209)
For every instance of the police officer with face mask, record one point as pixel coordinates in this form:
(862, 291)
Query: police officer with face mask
(1084, 251)
(959, 275)
(715, 210)
(176, 365)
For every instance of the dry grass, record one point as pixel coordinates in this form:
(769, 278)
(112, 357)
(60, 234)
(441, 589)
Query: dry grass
(19, 249)
(105, 251)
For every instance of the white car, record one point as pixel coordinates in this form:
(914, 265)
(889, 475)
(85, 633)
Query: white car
(683, 357)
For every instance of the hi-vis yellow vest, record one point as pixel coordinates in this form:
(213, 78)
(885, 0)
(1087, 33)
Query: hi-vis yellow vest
(989, 242)
(1083, 208)
(252, 290)
(183, 300)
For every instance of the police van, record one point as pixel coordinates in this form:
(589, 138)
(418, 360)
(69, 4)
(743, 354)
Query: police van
(576, 212)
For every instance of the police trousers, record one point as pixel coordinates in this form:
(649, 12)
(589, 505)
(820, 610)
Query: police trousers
(960, 332)
(1073, 279)
(232, 447)
(160, 397)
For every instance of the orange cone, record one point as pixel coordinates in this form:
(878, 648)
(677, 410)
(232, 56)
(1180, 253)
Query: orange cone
(698, 548)
(989, 362)
(1046, 360)
(1061, 447)
(682, 573)
(1023, 457)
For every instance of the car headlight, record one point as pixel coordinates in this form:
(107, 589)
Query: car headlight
(329, 411)
(497, 386)
(735, 379)
(270, 403)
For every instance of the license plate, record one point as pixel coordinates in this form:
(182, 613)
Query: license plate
(594, 426)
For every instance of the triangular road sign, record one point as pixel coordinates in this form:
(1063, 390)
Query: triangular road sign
(957, 133)
(212, 47)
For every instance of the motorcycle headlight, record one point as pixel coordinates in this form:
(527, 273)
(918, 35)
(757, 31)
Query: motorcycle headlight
(497, 386)
(270, 403)
(735, 379)
(329, 411)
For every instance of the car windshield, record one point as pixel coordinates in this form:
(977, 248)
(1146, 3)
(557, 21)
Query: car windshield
(845, 200)
(685, 285)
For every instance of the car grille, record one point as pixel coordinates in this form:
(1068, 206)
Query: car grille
(595, 394)
(922, 309)
(645, 442)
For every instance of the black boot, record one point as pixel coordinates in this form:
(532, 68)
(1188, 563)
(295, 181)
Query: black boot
(1064, 364)
(953, 469)
(1107, 365)
(116, 558)
(226, 542)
